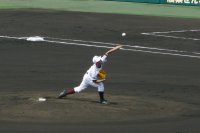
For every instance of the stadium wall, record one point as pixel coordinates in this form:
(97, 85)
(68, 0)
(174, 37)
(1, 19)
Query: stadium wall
(184, 2)
(178, 2)
(143, 1)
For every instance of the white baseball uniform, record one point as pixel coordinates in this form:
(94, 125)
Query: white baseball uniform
(90, 76)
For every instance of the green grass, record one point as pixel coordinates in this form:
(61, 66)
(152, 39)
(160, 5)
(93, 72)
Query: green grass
(102, 6)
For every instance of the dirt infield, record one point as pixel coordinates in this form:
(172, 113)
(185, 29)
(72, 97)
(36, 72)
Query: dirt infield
(154, 79)
(84, 108)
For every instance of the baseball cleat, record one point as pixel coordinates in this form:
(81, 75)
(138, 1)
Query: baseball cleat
(62, 94)
(104, 102)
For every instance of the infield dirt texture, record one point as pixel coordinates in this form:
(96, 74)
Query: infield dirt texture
(153, 82)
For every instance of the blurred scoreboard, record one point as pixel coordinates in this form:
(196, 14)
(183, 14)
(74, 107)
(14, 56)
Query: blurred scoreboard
(180, 2)
(185, 2)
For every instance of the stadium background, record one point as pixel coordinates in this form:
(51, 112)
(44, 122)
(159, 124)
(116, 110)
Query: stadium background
(155, 93)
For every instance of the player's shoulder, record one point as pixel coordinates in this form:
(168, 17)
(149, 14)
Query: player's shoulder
(104, 58)
(93, 66)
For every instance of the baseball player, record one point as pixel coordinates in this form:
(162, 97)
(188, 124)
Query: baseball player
(94, 77)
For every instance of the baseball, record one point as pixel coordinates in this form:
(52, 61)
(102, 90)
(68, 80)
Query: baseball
(124, 34)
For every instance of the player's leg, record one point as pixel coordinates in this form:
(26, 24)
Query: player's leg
(100, 87)
(81, 87)
(77, 89)
(66, 92)
(101, 93)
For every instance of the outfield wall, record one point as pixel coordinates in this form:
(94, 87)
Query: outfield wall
(180, 2)
(143, 1)
(184, 2)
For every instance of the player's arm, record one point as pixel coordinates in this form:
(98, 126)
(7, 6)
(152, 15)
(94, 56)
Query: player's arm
(99, 80)
(113, 50)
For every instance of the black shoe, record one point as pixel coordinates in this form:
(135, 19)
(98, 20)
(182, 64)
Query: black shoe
(62, 94)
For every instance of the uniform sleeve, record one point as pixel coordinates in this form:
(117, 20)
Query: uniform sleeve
(104, 58)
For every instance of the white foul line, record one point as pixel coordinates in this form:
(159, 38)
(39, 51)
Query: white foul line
(160, 34)
(114, 44)
(110, 45)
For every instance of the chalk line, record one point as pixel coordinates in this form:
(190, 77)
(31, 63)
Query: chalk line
(160, 34)
(110, 45)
